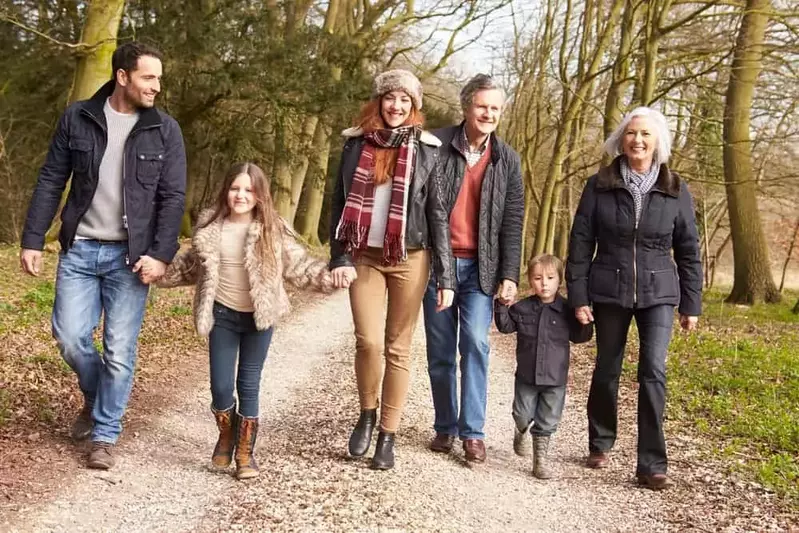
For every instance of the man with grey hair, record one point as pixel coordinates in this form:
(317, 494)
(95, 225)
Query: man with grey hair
(483, 193)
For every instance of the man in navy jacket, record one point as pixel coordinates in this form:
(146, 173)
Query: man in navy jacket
(119, 230)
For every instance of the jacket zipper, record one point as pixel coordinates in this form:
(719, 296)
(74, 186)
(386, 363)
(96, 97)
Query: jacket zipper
(635, 262)
(133, 132)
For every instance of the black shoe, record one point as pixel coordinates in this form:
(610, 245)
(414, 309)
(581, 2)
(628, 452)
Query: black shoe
(361, 436)
(384, 452)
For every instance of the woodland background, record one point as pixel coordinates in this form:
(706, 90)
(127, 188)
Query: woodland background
(275, 81)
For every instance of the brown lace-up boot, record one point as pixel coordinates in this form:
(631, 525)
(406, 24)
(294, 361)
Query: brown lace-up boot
(247, 433)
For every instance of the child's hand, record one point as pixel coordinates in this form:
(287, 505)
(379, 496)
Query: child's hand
(444, 299)
(583, 315)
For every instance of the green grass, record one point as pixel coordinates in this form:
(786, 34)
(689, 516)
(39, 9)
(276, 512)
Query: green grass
(180, 310)
(5, 407)
(42, 296)
(737, 380)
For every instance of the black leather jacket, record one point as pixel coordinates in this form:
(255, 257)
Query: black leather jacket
(428, 221)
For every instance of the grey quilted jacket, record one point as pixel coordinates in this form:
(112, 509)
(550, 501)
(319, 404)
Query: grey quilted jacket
(501, 206)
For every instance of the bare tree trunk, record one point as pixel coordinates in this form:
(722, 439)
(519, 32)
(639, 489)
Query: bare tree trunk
(281, 170)
(300, 171)
(307, 224)
(620, 79)
(100, 35)
(753, 281)
(789, 256)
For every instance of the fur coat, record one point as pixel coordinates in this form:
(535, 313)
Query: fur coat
(199, 265)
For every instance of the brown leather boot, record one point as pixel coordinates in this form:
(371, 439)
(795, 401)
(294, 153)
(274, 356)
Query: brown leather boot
(223, 451)
(247, 433)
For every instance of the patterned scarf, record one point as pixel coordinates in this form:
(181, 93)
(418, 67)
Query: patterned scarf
(638, 184)
(353, 228)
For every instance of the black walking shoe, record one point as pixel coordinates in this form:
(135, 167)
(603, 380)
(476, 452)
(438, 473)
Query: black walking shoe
(361, 436)
(384, 452)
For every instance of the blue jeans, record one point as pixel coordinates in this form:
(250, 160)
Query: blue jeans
(234, 334)
(612, 323)
(473, 309)
(93, 279)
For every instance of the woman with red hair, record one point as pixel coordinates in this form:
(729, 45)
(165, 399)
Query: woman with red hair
(388, 225)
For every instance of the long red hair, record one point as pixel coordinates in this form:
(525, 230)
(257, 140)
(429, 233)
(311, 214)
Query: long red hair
(370, 120)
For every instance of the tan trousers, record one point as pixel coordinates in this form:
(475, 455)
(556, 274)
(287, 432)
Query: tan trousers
(378, 332)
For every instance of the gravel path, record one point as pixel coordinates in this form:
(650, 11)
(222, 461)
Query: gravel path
(308, 406)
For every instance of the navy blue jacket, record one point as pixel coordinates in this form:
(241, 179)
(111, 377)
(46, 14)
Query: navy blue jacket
(613, 260)
(543, 332)
(153, 174)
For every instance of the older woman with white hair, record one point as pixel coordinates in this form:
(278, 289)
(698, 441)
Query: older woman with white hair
(634, 253)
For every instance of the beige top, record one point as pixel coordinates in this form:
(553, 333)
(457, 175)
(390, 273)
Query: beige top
(234, 285)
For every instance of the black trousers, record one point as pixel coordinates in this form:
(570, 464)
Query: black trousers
(612, 324)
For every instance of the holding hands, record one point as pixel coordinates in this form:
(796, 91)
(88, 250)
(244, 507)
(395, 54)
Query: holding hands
(149, 269)
(507, 292)
(584, 315)
(343, 276)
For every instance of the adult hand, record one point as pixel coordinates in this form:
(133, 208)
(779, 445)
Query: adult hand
(688, 323)
(343, 276)
(31, 261)
(583, 315)
(444, 299)
(507, 291)
(149, 269)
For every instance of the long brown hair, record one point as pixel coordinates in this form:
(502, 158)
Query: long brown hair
(264, 211)
(370, 120)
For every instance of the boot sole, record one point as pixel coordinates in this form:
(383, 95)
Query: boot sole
(98, 465)
(248, 475)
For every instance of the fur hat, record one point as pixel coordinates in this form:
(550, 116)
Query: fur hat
(398, 80)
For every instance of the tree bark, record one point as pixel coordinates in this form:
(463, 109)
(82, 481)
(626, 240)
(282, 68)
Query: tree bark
(100, 35)
(753, 281)
(307, 223)
(300, 171)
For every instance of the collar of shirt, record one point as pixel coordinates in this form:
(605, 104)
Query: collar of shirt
(472, 156)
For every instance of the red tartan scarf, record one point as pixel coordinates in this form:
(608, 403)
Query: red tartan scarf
(353, 228)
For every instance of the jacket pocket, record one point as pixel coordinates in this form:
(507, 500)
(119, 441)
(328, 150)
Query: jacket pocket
(664, 283)
(148, 166)
(603, 281)
(81, 153)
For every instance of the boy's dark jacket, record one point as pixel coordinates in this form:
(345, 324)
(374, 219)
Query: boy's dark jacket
(542, 338)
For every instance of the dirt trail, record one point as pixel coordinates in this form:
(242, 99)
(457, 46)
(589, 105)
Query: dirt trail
(308, 405)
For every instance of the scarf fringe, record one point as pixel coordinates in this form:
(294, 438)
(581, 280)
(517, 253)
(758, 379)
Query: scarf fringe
(394, 249)
(353, 235)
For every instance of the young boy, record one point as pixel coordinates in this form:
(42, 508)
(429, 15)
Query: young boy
(544, 324)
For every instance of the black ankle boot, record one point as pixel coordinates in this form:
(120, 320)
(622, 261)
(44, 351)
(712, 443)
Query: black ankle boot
(384, 452)
(361, 436)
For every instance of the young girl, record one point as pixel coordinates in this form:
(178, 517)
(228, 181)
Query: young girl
(386, 215)
(241, 253)
(544, 324)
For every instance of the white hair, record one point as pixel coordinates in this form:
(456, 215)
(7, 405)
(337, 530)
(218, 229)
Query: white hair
(613, 144)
